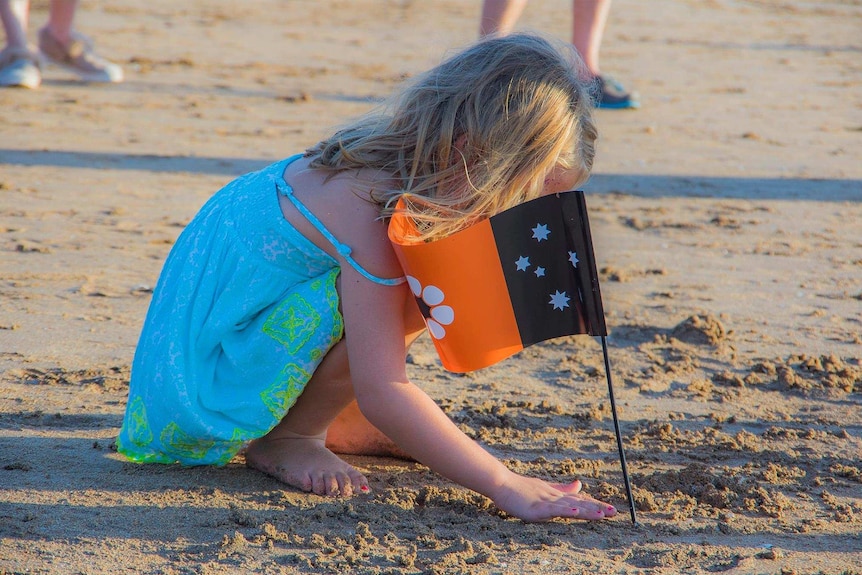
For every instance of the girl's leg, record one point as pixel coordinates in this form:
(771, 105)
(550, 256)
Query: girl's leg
(294, 451)
(326, 416)
(352, 434)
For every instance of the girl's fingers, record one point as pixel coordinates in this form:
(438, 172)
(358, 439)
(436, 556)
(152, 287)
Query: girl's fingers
(593, 515)
(594, 509)
(583, 512)
(587, 504)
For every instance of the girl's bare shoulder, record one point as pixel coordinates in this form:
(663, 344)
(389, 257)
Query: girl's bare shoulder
(359, 218)
(344, 203)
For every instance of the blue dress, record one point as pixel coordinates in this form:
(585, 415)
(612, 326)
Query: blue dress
(244, 311)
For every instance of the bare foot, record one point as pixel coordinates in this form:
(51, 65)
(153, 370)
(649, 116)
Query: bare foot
(305, 462)
(351, 433)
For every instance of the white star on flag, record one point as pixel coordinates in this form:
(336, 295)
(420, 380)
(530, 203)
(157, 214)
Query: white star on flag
(573, 257)
(522, 264)
(559, 300)
(541, 232)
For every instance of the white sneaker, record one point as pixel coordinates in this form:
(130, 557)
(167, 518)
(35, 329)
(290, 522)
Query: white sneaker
(21, 68)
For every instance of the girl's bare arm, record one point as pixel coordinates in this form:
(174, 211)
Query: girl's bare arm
(374, 332)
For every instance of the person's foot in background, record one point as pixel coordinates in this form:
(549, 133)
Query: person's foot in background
(611, 95)
(20, 68)
(78, 56)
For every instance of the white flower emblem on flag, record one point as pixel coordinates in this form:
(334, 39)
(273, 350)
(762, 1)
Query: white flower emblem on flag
(430, 300)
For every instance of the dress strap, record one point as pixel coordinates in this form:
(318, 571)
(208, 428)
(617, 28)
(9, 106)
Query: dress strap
(343, 249)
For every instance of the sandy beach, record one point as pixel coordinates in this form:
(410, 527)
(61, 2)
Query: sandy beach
(725, 216)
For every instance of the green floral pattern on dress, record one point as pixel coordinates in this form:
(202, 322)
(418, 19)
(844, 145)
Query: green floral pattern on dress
(332, 301)
(184, 445)
(139, 429)
(293, 322)
(281, 395)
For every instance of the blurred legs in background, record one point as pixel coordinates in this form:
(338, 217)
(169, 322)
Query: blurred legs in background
(589, 18)
(59, 43)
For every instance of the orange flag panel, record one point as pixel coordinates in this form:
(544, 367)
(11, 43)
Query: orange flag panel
(460, 285)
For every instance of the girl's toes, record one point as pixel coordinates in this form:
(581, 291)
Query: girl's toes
(345, 485)
(318, 484)
(332, 487)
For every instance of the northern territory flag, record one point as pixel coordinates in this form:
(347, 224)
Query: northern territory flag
(520, 277)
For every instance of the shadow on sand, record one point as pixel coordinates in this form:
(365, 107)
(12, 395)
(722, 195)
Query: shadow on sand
(811, 189)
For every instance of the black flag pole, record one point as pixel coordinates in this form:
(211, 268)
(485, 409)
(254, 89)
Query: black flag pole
(580, 238)
(617, 430)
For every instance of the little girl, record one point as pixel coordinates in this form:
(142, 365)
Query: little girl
(281, 320)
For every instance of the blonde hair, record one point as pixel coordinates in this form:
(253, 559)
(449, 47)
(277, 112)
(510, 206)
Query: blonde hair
(475, 135)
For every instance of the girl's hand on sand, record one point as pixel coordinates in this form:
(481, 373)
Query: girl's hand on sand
(532, 499)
